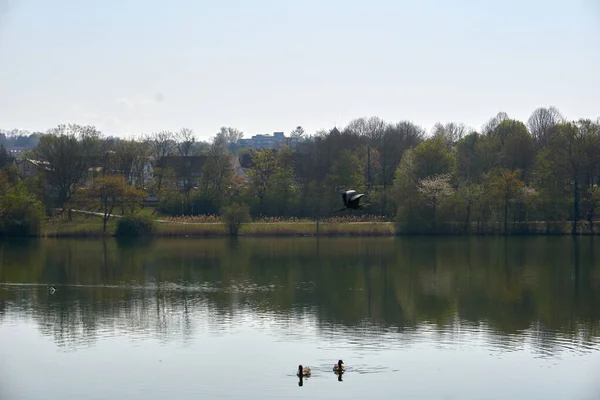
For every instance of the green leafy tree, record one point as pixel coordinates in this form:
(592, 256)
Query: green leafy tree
(283, 181)
(405, 195)
(468, 162)
(432, 157)
(217, 172)
(505, 187)
(347, 172)
(20, 211)
(516, 147)
(469, 194)
(561, 164)
(4, 158)
(395, 140)
(105, 195)
(262, 175)
(234, 216)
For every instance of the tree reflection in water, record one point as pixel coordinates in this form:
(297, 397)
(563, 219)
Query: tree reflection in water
(539, 291)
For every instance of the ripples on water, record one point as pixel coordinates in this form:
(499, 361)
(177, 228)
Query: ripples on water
(400, 330)
(147, 313)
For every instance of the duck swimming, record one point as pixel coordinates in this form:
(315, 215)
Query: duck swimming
(339, 367)
(51, 289)
(303, 371)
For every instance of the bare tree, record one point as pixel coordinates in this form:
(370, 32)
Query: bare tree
(65, 154)
(357, 126)
(395, 140)
(542, 123)
(491, 125)
(185, 140)
(217, 171)
(160, 145)
(376, 128)
(373, 128)
(452, 132)
(231, 135)
(297, 132)
(131, 157)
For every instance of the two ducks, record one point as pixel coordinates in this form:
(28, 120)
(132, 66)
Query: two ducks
(305, 371)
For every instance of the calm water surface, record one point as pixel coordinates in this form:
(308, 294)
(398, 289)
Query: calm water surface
(413, 318)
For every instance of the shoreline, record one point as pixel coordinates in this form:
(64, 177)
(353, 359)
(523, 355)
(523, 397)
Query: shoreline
(170, 229)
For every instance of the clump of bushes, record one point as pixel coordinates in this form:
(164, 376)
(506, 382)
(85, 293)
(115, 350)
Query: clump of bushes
(135, 225)
(20, 212)
(234, 216)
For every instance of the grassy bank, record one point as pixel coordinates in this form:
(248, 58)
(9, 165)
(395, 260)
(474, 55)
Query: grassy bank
(279, 229)
(81, 226)
(204, 226)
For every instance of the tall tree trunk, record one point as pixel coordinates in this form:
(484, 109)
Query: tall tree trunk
(434, 204)
(575, 206)
(506, 212)
(468, 218)
(590, 218)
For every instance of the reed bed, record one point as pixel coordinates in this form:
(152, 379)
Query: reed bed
(214, 219)
(279, 229)
(211, 225)
(191, 229)
(192, 219)
(357, 229)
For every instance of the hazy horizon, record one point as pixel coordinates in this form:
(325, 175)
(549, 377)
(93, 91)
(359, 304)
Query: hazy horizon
(135, 66)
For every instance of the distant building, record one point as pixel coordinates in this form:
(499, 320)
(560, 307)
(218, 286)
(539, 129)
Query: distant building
(276, 141)
(16, 150)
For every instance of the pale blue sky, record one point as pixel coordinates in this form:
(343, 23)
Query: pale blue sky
(137, 66)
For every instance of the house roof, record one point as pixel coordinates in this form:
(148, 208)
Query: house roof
(246, 160)
(195, 163)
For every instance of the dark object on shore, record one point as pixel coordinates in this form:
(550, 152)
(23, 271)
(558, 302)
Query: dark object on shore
(351, 200)
(51, 290)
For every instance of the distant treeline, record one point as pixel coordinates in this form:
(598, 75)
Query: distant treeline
(17, 138)
(509, 176)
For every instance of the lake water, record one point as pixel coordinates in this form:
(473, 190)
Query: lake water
(412, 318)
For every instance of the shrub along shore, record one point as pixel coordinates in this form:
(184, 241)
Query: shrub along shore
(88, 226)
